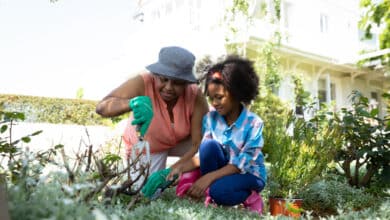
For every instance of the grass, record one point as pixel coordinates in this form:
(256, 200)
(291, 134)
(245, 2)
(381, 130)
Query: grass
(48, 199)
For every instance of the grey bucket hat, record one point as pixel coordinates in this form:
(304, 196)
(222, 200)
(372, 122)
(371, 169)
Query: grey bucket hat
(174, 62)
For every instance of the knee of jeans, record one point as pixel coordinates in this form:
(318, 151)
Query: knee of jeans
(208, 146)
(217, 195)
(213, 191)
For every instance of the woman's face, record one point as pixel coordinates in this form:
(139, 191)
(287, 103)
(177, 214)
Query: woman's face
(221, 100)
(170, 89)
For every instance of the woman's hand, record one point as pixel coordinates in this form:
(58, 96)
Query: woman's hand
(142, 112)
(176, 171)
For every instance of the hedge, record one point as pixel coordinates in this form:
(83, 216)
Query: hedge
(56, 110)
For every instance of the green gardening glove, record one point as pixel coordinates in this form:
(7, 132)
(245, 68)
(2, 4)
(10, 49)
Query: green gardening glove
(142, 112)
(155, 181)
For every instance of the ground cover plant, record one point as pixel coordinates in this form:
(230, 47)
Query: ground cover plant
(35, 192)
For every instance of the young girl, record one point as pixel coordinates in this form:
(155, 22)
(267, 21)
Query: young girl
(231, 162)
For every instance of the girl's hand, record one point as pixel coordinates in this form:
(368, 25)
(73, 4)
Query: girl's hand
(198, 189)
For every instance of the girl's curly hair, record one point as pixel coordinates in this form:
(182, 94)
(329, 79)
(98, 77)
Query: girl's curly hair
(237, 75)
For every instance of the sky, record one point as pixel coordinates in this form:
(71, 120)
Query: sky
(54, 49)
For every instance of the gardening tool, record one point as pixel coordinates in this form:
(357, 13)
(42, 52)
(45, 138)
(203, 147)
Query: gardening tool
(157, 183)
(139, 160)
(140, 152)
(140, 147)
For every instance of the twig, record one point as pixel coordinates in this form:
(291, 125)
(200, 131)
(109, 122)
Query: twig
(126, 187)
(135, 199)
(66, 165)
(97, 189)
(89, 158)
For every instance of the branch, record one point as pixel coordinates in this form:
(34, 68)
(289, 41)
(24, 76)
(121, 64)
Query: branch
(347, 169)
(66, 165)
(367, 177)
(89, 158)
(135, 199)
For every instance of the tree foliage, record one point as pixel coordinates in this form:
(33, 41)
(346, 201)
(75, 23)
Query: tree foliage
(377, 14)
(366, 150)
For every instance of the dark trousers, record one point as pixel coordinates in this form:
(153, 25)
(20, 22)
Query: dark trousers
(228, 190)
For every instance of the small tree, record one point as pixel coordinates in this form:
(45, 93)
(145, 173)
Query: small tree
(366, 143)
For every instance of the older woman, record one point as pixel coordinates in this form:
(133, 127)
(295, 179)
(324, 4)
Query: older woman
(167, 105)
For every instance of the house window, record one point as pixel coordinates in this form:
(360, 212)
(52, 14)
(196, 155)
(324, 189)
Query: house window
(156, 15)
(374, 95)
(373, 100)
(287, 14)
(322, 92)
(168, 8)
(260, 10)
(194, 13)
(324, 23)
(179, 3)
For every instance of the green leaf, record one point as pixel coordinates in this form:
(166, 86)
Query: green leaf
(374, 112)
(26, 139)
(110, 158)
(365, 3)
(291, 207)
(58, 146)
(3, 128)
(36, 133)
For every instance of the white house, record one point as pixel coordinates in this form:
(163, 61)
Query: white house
(321, 40)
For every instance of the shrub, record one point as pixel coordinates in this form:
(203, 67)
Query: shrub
(55, 110)
(381, 212)
(328, 196)
(302, 156)
(274, 113)
(366, 143)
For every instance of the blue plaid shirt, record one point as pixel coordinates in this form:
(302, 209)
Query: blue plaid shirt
(243, 140)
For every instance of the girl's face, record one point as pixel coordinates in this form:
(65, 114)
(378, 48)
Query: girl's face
(170, 89)
(222, 101)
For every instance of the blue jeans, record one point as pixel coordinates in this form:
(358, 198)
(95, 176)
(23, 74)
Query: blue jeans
(231, 189)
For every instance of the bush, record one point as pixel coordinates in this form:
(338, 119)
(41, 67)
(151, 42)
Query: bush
(365, 153)
(55, 110)
(330, 196)
(274, 113)
(381, 212)
(301, 151)
(45, 201)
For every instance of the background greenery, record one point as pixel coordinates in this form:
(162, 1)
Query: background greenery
(56, 110)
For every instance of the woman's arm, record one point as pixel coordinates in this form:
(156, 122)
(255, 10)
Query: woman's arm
(117, 101)
(187, 162)
(200, 109)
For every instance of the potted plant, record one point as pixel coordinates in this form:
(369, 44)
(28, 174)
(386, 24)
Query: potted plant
(297, 149)
(302, 149)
